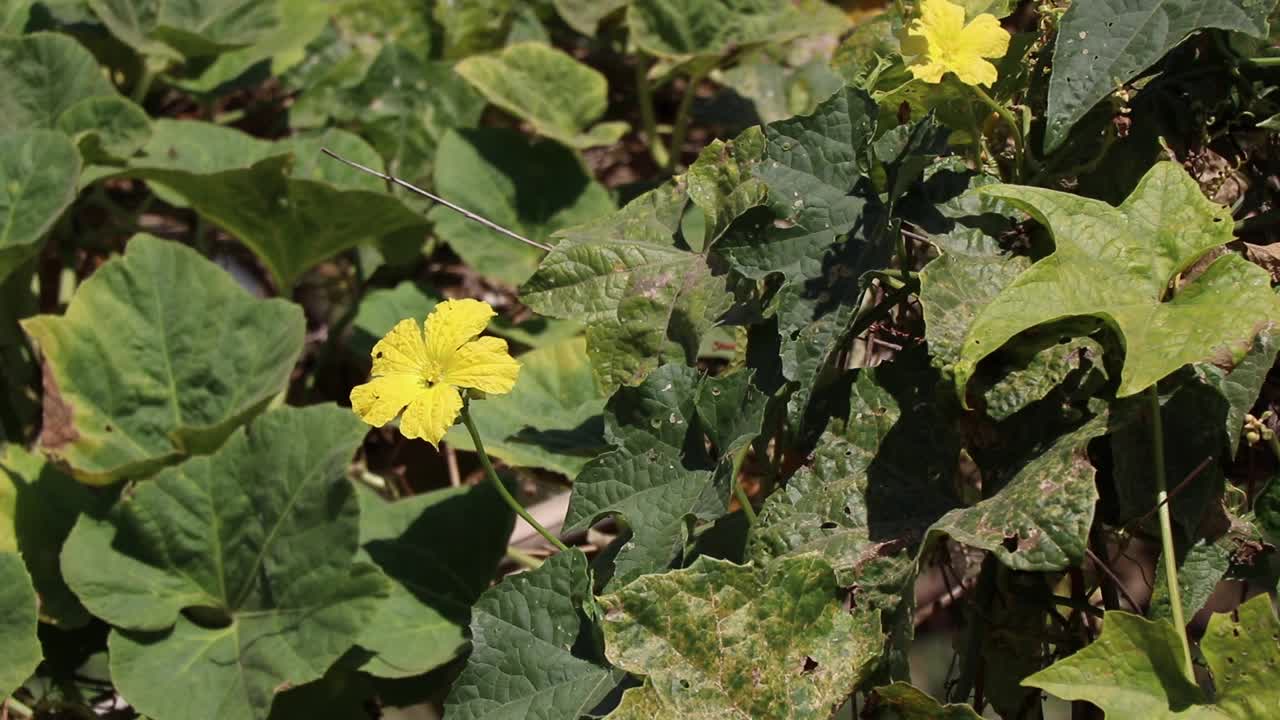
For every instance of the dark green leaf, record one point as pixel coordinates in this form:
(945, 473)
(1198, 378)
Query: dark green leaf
(914, 704)
(528, 661)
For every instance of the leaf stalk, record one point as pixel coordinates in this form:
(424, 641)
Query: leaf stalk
(1166, 530)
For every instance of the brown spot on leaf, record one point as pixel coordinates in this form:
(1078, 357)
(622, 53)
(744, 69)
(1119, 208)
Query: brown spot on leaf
(57, 424)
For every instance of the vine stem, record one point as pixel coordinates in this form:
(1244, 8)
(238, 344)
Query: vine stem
(1166, 530)
(502, 489)
(644, 94)
(12, 705)
(1019, 141)
(684, 113)
(740, 492)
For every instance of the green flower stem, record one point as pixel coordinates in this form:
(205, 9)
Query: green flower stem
(1019, 142)
(1264, 61)
(522, 558)
(497, 481)
(644, 94)
(740, 492)
(1166, 529)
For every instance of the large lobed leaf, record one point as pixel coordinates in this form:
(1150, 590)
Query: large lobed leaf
(1116, 263)
(1103, 44)
(677, 30)
(233, 577)
(559, 96)
(193, 28)
(529, 659)
(1135, 668)
(160, 355)
(718, 640)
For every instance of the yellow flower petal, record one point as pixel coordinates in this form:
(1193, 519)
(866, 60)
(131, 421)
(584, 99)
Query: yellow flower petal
(451, 325)
(432, 413)
(975, 71)
(378, 401)
(983, 38)
(402, 351)
(939, 43)
(483, 364)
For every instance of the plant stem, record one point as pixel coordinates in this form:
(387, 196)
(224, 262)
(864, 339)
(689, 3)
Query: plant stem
(1015, 127)
(502, 489)
(523, 559)
(1264, 61)
(975, 632)
(143, 86)
(644, 95)
(683, 115)
(740, 492)
(1166, 529)
(17, 708)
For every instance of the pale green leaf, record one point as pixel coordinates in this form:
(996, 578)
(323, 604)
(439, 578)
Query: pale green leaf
(38, 172)
(644, 296)
(1104, 44)
(550, 420)
(532, 189)
(718, 640)
(526, 662)
(585, 15)
(435, 578)
(1135, 668)
(18, 621)
(233, 577)
(160, 355)
(1115, 263)
(546, 87)
(192, 28)
(39, 504)
(41, 76)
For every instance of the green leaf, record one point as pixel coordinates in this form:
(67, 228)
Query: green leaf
(721, 182)
(823, 509)
(1103, 45)
(585, 15)
(645, 480)
(531, 189)
(1134, 668)
(189, 355)
(731, 410)
(1115, 263)
(912, 703)
(236, 569)
(550, 420)
(1199, 570)
(721, 640)
(39, 505)
(779, 91)
(41, 76)
(293, 212)
(435, 580)
(405, 106)
(1040, 520)
(283, 45)
(644, 296)
(38, 172)
(107, 129)
(1243, 649)
(1242, 384)
(546, 87)
(527, 661)
(676, 30)
(811, 165)
(18, 622)
(195, 28)
(14, 15)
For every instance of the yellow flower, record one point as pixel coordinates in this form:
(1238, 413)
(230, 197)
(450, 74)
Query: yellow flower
(942, 43)
(423, 376)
